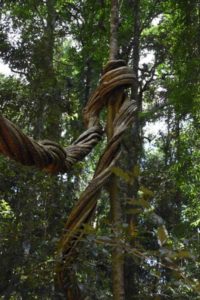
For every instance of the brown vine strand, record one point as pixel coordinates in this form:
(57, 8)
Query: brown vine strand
(50, 156)
(85, 207)
(87, 201)
(45, 155)
(115, 75)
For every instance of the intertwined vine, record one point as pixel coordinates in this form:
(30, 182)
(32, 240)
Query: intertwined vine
(51, 157)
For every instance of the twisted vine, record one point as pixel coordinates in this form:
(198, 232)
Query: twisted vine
(46, 155)
(53, 158)
(114, 81)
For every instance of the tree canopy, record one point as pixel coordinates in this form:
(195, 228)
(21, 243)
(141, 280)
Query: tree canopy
(57, 51)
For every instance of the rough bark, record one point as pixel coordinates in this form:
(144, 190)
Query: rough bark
(116, 215)
(116, 219)
(53, 129)
(134, 147)
(114, 22)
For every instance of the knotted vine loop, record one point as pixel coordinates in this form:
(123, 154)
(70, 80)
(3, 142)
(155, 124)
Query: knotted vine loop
(116, 78)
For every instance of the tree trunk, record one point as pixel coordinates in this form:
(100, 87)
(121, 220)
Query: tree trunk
(134, 146)
(44, 83)
(116, 215)
(53, 95)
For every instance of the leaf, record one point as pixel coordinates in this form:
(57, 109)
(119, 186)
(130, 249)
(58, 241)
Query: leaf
(196, 223)
(162, 235)
(122, 174)
(136, 171)
(141, 202)
(146, 191)
(183, 254)
(133, 229)
(88, 229)
(197, 287)
(134, 211)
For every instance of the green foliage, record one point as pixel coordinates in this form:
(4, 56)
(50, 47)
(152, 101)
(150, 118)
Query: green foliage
(58, 49)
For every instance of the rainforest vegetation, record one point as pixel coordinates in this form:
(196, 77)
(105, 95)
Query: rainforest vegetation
(143, 239)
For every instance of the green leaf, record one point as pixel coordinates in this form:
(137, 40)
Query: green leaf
(141, 202)
(162, 235)
(134, 211)
(183, 254)
(122, 174)
(146, 191)
(136, 171)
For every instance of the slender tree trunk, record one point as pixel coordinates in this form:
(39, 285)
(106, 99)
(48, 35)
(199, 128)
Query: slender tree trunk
(117, 253)
(44, 83)
(52, 100)
(88, 74)
(116, 215)
(114, 23)
(134, 147)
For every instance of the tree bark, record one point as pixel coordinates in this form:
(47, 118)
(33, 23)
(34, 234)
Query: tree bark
(114, 23)
(53, 112)
(134, 146)
(116, 214)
